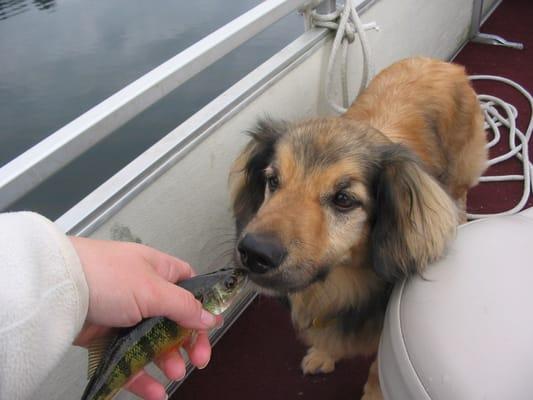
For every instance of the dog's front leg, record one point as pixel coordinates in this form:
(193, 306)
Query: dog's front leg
(372, 390)
(319, 358)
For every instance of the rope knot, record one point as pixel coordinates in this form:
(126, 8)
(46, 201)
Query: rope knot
(332, 21)
(349, 32)
(345, 21)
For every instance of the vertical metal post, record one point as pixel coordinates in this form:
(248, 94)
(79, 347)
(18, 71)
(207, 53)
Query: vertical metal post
(324, 7)
(477, 9)
(486, 38)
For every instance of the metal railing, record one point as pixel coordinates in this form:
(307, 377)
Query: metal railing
(47, 157)
(51, 154)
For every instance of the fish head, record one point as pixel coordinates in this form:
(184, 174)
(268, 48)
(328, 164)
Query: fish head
(219, 297)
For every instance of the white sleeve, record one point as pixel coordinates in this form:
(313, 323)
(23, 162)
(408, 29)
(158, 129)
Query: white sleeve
(43, 301)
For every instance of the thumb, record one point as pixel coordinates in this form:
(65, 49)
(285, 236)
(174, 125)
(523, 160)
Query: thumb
(180, 306)
(169, 268)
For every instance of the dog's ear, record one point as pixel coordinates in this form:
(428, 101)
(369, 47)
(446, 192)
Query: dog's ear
(414, 218)
(247, 179)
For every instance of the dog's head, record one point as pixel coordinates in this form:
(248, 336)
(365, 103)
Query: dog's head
(313, 195)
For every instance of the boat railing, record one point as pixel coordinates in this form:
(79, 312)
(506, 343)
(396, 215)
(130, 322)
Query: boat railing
(47, 157)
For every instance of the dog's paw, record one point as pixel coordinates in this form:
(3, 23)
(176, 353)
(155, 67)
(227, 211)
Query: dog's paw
(317, 362)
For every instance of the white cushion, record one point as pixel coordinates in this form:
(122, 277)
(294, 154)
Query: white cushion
(465, 331)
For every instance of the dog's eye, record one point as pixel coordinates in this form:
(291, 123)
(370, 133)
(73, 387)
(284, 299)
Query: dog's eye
(272, 182)
(345, 201)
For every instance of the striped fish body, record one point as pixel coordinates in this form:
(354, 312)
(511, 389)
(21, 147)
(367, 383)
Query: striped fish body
(131, 352)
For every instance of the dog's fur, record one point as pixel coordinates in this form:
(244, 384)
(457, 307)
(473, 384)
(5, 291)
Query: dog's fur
(405, 155)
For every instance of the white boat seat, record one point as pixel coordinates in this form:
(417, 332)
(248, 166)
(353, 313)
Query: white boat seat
(465, 331)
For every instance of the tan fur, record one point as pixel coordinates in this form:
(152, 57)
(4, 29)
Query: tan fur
(403, 100)
(345, 285)
(425, 106)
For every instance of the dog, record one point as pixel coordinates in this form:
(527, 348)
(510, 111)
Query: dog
(331, 212)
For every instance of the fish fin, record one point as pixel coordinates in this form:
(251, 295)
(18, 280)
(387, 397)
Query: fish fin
(97, 349)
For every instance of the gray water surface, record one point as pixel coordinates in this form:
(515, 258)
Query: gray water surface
(60, 58)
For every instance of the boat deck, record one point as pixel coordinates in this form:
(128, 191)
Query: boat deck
(259, 358)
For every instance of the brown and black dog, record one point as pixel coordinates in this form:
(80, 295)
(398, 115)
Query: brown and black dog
(331, 212)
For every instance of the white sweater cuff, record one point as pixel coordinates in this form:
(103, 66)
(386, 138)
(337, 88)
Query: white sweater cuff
(72, 268)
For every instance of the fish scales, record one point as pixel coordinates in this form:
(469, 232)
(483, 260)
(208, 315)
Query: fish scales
(163, 336)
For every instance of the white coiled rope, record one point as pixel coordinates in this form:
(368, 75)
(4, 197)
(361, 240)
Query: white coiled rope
(346, 22)
(493, 121)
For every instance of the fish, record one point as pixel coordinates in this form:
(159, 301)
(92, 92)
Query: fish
(113, 362)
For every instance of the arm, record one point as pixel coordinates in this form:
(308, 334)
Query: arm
(43, 301)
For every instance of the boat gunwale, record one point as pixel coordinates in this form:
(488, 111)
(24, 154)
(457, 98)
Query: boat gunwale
(105, 201)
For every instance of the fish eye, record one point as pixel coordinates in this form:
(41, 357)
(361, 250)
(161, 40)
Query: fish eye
(230, 282)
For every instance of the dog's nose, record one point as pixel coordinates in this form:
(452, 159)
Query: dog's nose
(261, 253)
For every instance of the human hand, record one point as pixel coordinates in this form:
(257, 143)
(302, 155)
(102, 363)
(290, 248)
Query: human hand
(128, 282)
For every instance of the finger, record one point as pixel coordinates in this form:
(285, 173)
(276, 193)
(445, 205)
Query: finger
(143, 385)
(180, 306)
(199, 350)
(170, 268)
(172, 365)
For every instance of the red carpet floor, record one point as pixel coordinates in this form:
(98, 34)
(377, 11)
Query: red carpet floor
(259, 357)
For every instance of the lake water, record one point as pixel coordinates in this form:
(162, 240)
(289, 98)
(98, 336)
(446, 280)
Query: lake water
(60, 58)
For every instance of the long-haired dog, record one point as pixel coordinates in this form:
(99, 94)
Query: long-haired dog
(331, 212)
